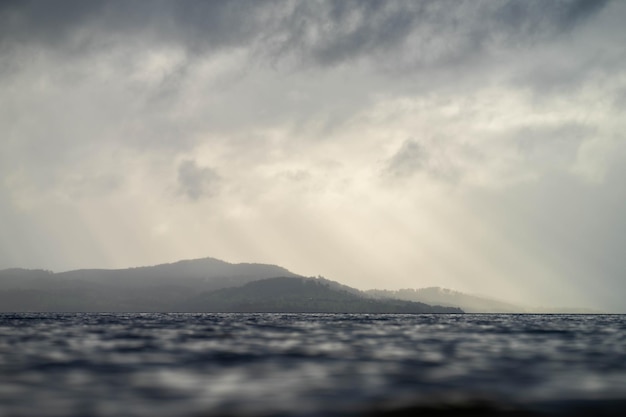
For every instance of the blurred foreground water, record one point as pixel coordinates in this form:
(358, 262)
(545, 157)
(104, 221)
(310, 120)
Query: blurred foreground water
(311, 365)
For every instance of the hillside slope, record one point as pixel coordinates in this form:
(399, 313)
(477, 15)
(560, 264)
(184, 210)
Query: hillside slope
(445, 297)
(201, 285)
(151, 288)
(302, 295)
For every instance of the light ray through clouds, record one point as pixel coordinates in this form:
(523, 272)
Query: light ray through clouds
(473, 145)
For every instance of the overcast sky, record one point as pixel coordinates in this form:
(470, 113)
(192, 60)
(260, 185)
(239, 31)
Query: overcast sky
(477, 145)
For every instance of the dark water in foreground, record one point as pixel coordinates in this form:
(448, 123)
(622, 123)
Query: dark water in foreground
(311, 365)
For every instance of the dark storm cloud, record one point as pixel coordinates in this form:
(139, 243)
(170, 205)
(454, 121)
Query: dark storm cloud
(49, 23)
(321, 32)
(533, 17)
(212, 23)
(197, 182)
(579, 10)
(331, 32)
(429, 32)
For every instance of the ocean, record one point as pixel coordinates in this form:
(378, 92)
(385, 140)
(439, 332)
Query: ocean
(86, 364)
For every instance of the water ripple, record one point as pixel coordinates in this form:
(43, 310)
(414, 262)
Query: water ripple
(310, 364)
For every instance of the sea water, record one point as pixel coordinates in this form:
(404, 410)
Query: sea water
(311, 365)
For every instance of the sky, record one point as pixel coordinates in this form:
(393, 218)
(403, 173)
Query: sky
(471, 145)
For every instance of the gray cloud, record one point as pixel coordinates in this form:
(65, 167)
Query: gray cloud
(551, 145)
(534, 18)
(411, 157)
(322, 32)
(432, 159)
(267, 110)
(619, 99)
(79, 24)
(197, 182)
(579, 10)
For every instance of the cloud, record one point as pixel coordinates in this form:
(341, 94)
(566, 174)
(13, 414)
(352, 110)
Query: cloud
(77, 25)
(410, 158)
(432, 159)
(364, 118)
(552, 146)
(580, 10)
(324, 33)
(197, 182)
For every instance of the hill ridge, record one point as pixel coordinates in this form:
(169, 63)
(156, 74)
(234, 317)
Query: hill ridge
(188, 285)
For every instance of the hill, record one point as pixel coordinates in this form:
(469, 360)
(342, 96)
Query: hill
(470, 303)
(202, 285)
(445, 297)
(302, 295)
(151, 288)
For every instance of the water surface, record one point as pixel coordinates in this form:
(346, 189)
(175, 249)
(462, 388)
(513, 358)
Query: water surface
(311, 364)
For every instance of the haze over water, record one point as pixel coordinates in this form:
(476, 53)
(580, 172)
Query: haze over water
(139, 365)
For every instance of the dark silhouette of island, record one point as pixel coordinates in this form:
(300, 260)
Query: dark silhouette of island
(201, 285)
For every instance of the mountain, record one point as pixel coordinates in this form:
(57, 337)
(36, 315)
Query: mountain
(302, 295)
(445, 297)
(201, 285)
(151, 288)
(207, 272)
(470, 303)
